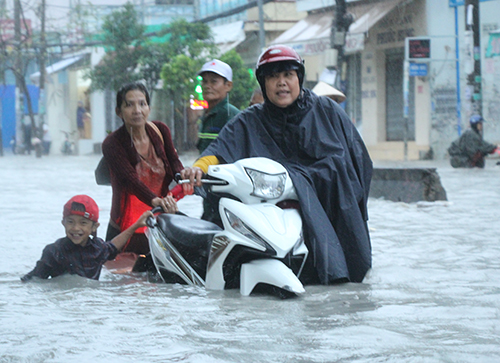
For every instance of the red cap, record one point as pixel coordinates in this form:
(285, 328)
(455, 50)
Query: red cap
(91, 209)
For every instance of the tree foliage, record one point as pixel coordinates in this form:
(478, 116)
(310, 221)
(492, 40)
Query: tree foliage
(133, 56)
(178, 74)
(192, 40)
(123, 36)
(244, 82)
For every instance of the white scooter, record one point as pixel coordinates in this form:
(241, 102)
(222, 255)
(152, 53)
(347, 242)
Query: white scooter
(260, 247)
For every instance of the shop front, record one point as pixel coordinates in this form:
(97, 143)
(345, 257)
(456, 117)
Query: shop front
(373, 73)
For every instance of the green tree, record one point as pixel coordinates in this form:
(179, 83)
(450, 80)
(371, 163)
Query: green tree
(243, 82)
(123, 36)
(133, 55)
(177, 76)
(178, 38)
(189, 46)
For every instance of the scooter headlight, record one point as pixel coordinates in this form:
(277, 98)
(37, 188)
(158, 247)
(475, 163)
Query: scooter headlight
(246, 231)
(267, 186)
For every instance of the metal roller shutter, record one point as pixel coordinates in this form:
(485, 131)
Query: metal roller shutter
(395, 123)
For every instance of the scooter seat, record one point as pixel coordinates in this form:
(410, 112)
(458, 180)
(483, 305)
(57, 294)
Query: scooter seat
(188, 233)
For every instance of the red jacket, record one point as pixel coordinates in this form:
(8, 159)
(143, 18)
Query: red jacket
(122, 157)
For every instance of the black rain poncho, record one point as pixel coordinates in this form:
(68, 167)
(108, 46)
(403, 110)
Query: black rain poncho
(317, 143)
(469, 150)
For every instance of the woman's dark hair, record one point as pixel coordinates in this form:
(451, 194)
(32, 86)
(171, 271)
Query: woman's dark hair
(120, 96)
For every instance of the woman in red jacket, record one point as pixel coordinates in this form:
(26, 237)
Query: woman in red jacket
(142, 162)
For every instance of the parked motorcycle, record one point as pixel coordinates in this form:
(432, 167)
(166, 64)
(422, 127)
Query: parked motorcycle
(68, 145)
(260, 247)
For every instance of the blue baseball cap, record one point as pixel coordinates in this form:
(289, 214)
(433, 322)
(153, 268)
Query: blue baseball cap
(475, 119)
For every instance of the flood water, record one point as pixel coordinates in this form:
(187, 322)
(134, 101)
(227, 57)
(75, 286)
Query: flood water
(433, 294)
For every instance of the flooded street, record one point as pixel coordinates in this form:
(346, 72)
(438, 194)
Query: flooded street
(433, 294)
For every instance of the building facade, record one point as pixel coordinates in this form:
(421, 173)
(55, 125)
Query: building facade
(240, 30)
(413, 115)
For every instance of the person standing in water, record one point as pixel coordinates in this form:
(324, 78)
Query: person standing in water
(142, 161)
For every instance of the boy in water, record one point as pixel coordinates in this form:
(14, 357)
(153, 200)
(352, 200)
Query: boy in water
(81, 252)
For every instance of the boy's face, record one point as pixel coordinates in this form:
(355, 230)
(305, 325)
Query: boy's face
(215, 88)
(78, 229)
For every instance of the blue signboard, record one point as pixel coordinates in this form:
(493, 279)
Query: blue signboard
(454, 3)
(418, 69)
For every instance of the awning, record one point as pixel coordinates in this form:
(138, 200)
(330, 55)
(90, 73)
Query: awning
(56, 67)
(228, 36)
(370, 14)
(311, 35)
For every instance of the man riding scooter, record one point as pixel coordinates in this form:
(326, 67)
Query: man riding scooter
(470, 149)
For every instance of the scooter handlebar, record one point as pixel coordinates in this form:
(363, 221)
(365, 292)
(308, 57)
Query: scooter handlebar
(204, 181)
(181, 181)
(157, 209)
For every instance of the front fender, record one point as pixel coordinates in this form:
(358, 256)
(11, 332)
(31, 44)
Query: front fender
(268, 271)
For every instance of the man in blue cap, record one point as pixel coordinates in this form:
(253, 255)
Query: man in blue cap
(470, 149)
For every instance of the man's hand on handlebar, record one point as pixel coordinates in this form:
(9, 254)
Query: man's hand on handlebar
(194, 174)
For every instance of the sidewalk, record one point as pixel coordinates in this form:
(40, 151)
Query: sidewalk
(491, 161)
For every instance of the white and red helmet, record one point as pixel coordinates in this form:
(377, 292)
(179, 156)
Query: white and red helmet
(278, 58)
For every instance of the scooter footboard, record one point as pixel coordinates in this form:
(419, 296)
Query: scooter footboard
(268, 271)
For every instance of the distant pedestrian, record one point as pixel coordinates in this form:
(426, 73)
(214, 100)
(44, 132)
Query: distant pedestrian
(81, 252)
(80, 112)
(27, 135)
(257, 97)
(46, 139)
(13, 144)
(87, 125)
(324, 89)
(470, 149)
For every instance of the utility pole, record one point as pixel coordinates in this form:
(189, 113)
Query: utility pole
(143, 12)
(41, 98)
(474, 80)
(262, 34)
(22, 92)
(17, 70)
(2, 15)
(340, 25)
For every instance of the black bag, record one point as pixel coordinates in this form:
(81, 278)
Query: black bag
(102, 175)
